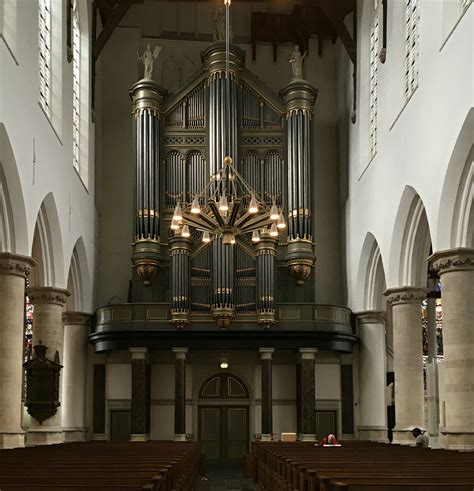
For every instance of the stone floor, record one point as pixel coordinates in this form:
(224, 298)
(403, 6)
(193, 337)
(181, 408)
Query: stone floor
(225, 478)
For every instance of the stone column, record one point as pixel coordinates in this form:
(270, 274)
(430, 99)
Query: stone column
(13, 271)
(432, 387)
(140, 395)
(180, 394)
(76, 331)
(373, 411)
(456, 269)
(48, 328)
(307, 395)
(408, 361)
(267, 402)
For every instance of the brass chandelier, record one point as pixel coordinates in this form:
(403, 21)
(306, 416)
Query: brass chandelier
(227, 207)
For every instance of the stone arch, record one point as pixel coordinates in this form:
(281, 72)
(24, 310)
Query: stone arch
(371, 282)
(78, 283)
(47, 248)
(13, 223)
(456, 215)
(463, 224)
(411, 243)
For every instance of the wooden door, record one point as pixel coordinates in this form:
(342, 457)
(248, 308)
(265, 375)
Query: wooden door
(120, 426)
(224, 432)
(326, 423)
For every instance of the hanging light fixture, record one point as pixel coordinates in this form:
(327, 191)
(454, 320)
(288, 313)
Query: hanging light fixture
(274, 212)
(253, 205)
(178, 214)
(185, 232)
(220, 209)
(281, 221)
(195, 207)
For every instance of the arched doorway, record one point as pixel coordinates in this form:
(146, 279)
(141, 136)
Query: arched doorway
(224, 418)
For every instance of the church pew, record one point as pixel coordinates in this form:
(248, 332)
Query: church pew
(299, 466)
(152, 466)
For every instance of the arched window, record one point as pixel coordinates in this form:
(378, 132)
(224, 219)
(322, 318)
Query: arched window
(373, 57)
(76, 89)
(45, 55)
(412, 20)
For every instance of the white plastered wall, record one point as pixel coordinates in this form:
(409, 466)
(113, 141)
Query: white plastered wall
(416, 139)
(36, 153)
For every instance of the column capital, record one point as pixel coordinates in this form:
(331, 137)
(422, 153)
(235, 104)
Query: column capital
(180, 353)
(138, 353)
(346, 359)
(74, 318)
(47, 294)
(266, 353)
(449, 260)
(308, 353)
(405, 294)
(16, 265)
(371, 317)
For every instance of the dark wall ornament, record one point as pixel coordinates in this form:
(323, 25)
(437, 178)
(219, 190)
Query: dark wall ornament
(42, 379)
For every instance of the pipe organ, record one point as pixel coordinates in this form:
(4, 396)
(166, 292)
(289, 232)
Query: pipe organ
(269, 139)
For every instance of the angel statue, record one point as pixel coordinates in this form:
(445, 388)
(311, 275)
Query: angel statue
(219, 26)
(147, 59)
(296, 61)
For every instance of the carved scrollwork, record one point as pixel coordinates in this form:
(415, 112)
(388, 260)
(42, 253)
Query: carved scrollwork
(300, 269)
(453, 260)
(47, 294)
(16, 265)
(405, 295)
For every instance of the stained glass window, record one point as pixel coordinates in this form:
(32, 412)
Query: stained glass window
(28, 332)
(45, 55)
(76, 89)
(412, 19)
(374, 49)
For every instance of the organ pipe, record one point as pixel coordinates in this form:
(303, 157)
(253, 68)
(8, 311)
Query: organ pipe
(146, 97)
(180, 252)
(300, 98)
(266, 263)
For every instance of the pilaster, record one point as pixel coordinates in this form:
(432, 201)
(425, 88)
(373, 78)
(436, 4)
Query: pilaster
(140, 427)
(180, 394)
(373, 412)
(266, 355)
(76, 330)
(307, 394)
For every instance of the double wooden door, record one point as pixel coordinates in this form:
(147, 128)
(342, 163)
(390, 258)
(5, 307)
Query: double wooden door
(224, 432)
